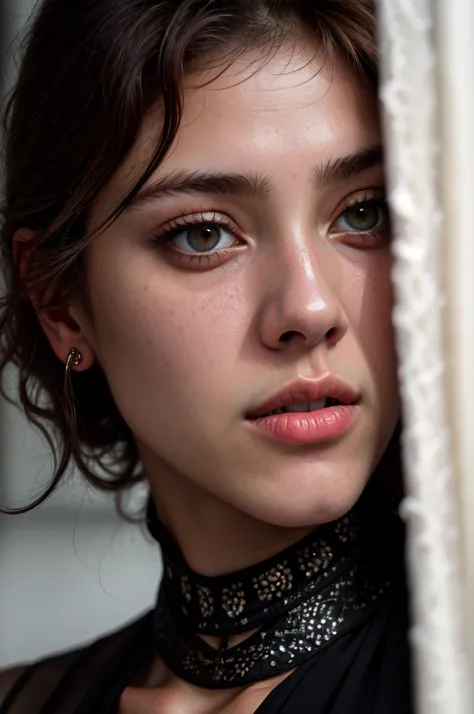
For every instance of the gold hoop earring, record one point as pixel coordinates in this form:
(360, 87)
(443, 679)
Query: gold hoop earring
(74, 358)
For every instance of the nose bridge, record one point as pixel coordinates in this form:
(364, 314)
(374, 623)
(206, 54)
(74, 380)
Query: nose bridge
(302, 295)
(308, 280)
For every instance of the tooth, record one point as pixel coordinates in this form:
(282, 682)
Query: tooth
(305, 406)
(317, 404)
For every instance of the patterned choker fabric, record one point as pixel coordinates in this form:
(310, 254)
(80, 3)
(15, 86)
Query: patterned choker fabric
(295, 603)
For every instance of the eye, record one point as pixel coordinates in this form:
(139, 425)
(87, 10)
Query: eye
(200, 241)
(201, 238)
(362, 217)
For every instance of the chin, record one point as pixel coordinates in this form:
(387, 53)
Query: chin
(307, 507)
(307, 487)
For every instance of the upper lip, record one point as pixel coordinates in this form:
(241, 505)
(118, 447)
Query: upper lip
(303, 390)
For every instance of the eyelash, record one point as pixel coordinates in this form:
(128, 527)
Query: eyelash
(214, 258)
(172, 229)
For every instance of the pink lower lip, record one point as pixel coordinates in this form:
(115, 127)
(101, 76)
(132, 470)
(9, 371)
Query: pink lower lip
(300, 428)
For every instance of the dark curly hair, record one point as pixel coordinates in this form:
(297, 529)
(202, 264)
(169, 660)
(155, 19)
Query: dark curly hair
(91, 71)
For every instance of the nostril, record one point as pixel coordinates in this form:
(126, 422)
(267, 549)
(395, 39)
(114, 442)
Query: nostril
(287, 336)
(332, 335)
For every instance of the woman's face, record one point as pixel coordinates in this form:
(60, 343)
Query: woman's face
(256, 262)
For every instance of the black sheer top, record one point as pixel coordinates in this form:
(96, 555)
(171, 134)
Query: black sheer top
(365, 670)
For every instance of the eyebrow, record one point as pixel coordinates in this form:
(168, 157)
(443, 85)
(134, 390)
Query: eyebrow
(347, 167)
(251, 185)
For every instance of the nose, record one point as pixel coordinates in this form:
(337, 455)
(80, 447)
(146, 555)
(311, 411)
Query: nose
(302, 304)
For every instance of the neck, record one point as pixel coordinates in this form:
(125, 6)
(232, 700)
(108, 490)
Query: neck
(214, 538)
(278, 611)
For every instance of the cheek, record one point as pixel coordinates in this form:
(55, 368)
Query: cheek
(368, 302)
(158, 338)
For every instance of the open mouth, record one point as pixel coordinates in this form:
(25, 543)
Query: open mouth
(308, 397)
(303, 407)
(307, 412)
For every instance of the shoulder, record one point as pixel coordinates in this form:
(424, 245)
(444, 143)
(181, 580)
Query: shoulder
(27, 688)
(8, 679)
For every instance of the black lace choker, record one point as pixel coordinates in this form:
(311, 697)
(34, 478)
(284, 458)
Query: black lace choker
(295, 602)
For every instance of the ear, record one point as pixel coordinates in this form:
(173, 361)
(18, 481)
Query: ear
(66, 326)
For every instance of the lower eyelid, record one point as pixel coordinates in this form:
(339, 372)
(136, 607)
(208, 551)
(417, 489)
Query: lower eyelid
(199, 261)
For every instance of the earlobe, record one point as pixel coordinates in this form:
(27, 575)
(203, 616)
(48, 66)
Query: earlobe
(64, 335)
(61, 329)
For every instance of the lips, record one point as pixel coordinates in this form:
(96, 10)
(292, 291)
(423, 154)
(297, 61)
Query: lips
(306, 396)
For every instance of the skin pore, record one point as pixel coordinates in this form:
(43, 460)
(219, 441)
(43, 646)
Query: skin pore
(191, 340)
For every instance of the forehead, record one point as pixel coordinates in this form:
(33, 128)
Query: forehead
(259, 115)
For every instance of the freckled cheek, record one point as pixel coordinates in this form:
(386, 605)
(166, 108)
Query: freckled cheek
(161, 327)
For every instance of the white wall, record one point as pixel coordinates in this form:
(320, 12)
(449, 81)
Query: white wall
(67, 574)
(70, 570)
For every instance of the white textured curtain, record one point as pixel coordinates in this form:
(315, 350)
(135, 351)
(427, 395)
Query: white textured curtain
(427, 96)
